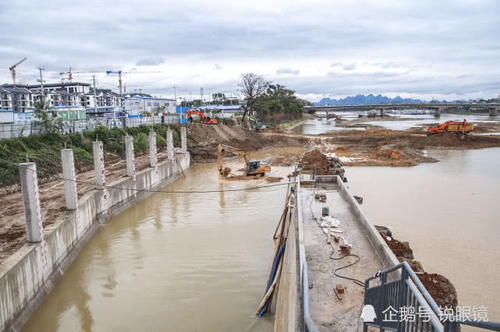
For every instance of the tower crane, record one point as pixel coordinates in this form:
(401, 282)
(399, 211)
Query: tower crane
(13, 71)
(69, 73)
(119, 73)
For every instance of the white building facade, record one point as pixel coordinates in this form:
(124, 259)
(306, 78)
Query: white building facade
(144, 104)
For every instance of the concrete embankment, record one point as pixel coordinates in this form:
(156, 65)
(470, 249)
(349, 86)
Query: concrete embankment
(290, 295)
(28, 276)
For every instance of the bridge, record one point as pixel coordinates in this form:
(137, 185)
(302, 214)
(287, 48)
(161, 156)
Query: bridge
(492, 109)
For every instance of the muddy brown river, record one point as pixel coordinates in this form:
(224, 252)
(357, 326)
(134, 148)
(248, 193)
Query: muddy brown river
(173, 262)
(199, 261)
(449, 213)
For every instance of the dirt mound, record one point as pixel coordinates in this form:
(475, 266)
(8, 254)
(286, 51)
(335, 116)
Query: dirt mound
(400, 249)
(323, 164)
(203, 140)
(440, 288)
(315, 159)
(320, 164)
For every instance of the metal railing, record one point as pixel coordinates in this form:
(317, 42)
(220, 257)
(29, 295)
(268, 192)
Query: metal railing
(404, 293)
(26, 128)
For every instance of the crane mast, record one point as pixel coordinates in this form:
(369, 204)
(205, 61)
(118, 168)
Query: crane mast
(13, 71)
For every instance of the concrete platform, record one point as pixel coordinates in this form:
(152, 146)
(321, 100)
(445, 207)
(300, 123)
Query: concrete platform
(327, 311)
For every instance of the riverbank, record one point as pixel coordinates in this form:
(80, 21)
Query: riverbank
(28, 276)
(370, 147)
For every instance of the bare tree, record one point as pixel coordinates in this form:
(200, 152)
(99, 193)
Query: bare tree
(252, 86)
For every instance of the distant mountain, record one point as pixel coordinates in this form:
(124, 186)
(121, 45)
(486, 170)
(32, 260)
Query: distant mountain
(366, 100)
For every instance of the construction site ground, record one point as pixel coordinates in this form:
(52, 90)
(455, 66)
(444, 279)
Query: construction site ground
(373, 146)
(328, 311)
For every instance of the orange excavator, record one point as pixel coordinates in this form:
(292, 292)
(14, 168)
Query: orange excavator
(456, 127)
(204, 119)
(253, 167)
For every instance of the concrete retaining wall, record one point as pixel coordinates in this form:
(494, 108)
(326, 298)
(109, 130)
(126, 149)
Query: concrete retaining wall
(289, 308)
(27, 276)
(381, 248)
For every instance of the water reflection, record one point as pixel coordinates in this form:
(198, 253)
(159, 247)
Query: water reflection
(173, 262)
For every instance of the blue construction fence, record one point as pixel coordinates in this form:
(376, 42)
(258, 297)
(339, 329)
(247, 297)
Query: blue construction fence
(182, 110)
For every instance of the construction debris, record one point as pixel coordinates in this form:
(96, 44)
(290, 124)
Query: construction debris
(339, 288)
(316, 163)
(329, 221)
(438, 286)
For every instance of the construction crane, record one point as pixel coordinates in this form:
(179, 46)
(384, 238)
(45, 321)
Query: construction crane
(119, 72)
(13, 71)
(69, 73)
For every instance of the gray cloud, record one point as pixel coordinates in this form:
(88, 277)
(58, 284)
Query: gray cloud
(152, 61)
(438, 41)
(287, 71)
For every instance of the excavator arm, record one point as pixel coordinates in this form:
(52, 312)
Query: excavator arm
(204, 119)
(220, 158)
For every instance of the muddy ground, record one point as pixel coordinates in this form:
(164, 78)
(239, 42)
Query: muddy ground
(202, 143)
(373, 146)
(385, 147)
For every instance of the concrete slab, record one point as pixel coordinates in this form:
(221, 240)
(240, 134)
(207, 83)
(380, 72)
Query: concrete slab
(328, 312)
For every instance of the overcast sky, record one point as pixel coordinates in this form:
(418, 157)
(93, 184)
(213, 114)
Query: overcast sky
(424, 48)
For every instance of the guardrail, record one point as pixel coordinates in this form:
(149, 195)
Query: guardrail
(26, 128)
(408, 295)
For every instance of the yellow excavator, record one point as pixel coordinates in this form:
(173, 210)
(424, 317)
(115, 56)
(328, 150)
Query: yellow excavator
(253, 167)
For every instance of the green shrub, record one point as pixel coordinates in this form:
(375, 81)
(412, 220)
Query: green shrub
(141, 143)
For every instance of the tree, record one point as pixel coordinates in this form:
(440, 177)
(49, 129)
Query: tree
(252, 86)
(42, 115)
(218, 98)
(278, 104)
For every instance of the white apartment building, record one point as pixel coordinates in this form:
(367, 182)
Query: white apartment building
(138, 104)
(17, 99)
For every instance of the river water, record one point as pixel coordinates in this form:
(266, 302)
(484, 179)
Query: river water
(200, 261)
(449, 213)
(419, 120)
(173, 262)
(322, 125)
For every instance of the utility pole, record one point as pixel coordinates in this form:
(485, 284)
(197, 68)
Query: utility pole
(201, 96)
(42, 98)
(95, 94)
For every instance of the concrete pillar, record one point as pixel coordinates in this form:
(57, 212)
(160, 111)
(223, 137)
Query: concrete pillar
(98, 152)
(493, 112)
(184, 139)
(437, 113)
(68, 165)
(170, 144)
(100, 179)
(129, 154)
(31, 198)
(152, 149)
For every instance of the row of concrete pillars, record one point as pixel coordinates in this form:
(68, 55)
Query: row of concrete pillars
(29, 179)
